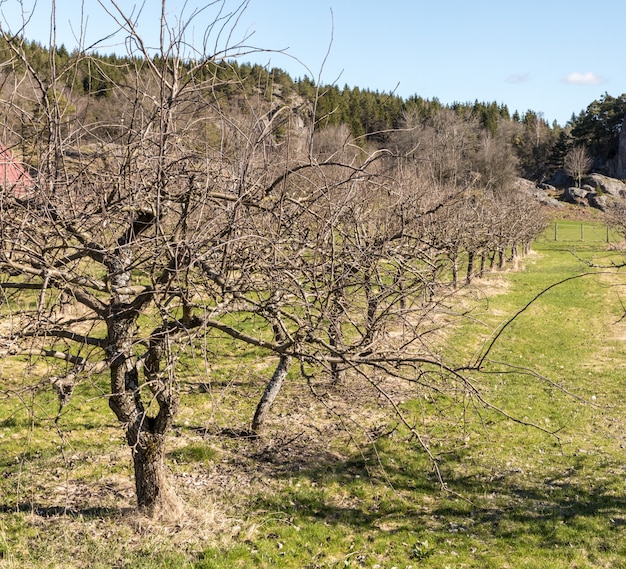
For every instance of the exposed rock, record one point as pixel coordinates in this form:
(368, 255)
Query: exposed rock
(547, 200)
(560, 179)
(610, 186)
(537, 193)
(576, 195)
(524, 184)
(599, 202)
(620, 160)
(546, 187)
(598, 191)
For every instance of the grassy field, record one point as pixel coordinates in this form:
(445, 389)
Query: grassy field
(533, 471)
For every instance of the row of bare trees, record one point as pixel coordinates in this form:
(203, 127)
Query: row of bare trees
(195, 214)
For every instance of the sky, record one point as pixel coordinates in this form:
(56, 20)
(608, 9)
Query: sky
(553, 57)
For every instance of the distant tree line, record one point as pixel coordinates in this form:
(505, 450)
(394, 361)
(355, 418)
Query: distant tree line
(540, 148)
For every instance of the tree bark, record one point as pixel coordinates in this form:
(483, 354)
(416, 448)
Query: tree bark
(335, 336)
(269, 395)
(483, 264)
(154, 494)
(372, 306)
(145, 435)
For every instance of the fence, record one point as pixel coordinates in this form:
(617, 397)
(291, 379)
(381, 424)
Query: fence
(582, 231)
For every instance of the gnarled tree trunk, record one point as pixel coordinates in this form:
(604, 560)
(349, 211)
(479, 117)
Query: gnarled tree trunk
(154, 493)
(145, 434)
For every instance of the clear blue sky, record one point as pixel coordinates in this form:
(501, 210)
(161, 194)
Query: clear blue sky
(550, 56)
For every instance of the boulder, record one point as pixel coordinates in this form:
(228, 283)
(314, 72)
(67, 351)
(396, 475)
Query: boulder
(576, 195)
(524, 184)
(546, 187)
(537, 192)
(547, 200)
(611, 186)
(599, 202)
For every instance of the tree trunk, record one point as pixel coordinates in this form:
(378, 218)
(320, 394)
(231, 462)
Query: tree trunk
(269, 395)
(154, 494)
(483, 264)
(399, 283)
(335, 337)
(371, 300)
(455, 271)
(471, 256)
(145, 435)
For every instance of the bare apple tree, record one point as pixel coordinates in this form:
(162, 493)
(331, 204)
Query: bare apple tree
(118, 222)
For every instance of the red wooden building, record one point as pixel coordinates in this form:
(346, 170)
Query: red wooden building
(14, 176)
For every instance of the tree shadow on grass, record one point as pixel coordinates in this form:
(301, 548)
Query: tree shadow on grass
(96, 512)
(583, 500)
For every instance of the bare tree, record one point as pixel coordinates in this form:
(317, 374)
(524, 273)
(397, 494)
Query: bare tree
(577, 163)
(117, 226)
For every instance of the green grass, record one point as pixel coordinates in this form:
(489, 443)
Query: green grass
(518, 496)
(570, 231)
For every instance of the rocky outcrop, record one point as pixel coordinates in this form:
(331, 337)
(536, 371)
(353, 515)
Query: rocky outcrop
(620, 160)
(540, 194)
(547, 200)
(576, 196)
(599, 202)
(598, 191)
(611, 186)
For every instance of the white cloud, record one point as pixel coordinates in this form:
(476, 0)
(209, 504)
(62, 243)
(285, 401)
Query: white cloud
(577, 78)
(517, 78)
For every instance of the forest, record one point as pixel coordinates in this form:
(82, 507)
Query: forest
(218, 282)
(372, 117)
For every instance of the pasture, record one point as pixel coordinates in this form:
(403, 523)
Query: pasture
(530, 465)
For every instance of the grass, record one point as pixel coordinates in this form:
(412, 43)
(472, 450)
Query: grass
(571, 230)
(316, 494)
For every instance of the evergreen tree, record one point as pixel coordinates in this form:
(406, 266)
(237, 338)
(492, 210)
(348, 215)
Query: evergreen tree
(599, 126)
(559, 151)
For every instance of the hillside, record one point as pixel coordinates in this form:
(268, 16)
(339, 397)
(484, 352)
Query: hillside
(86, 88)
